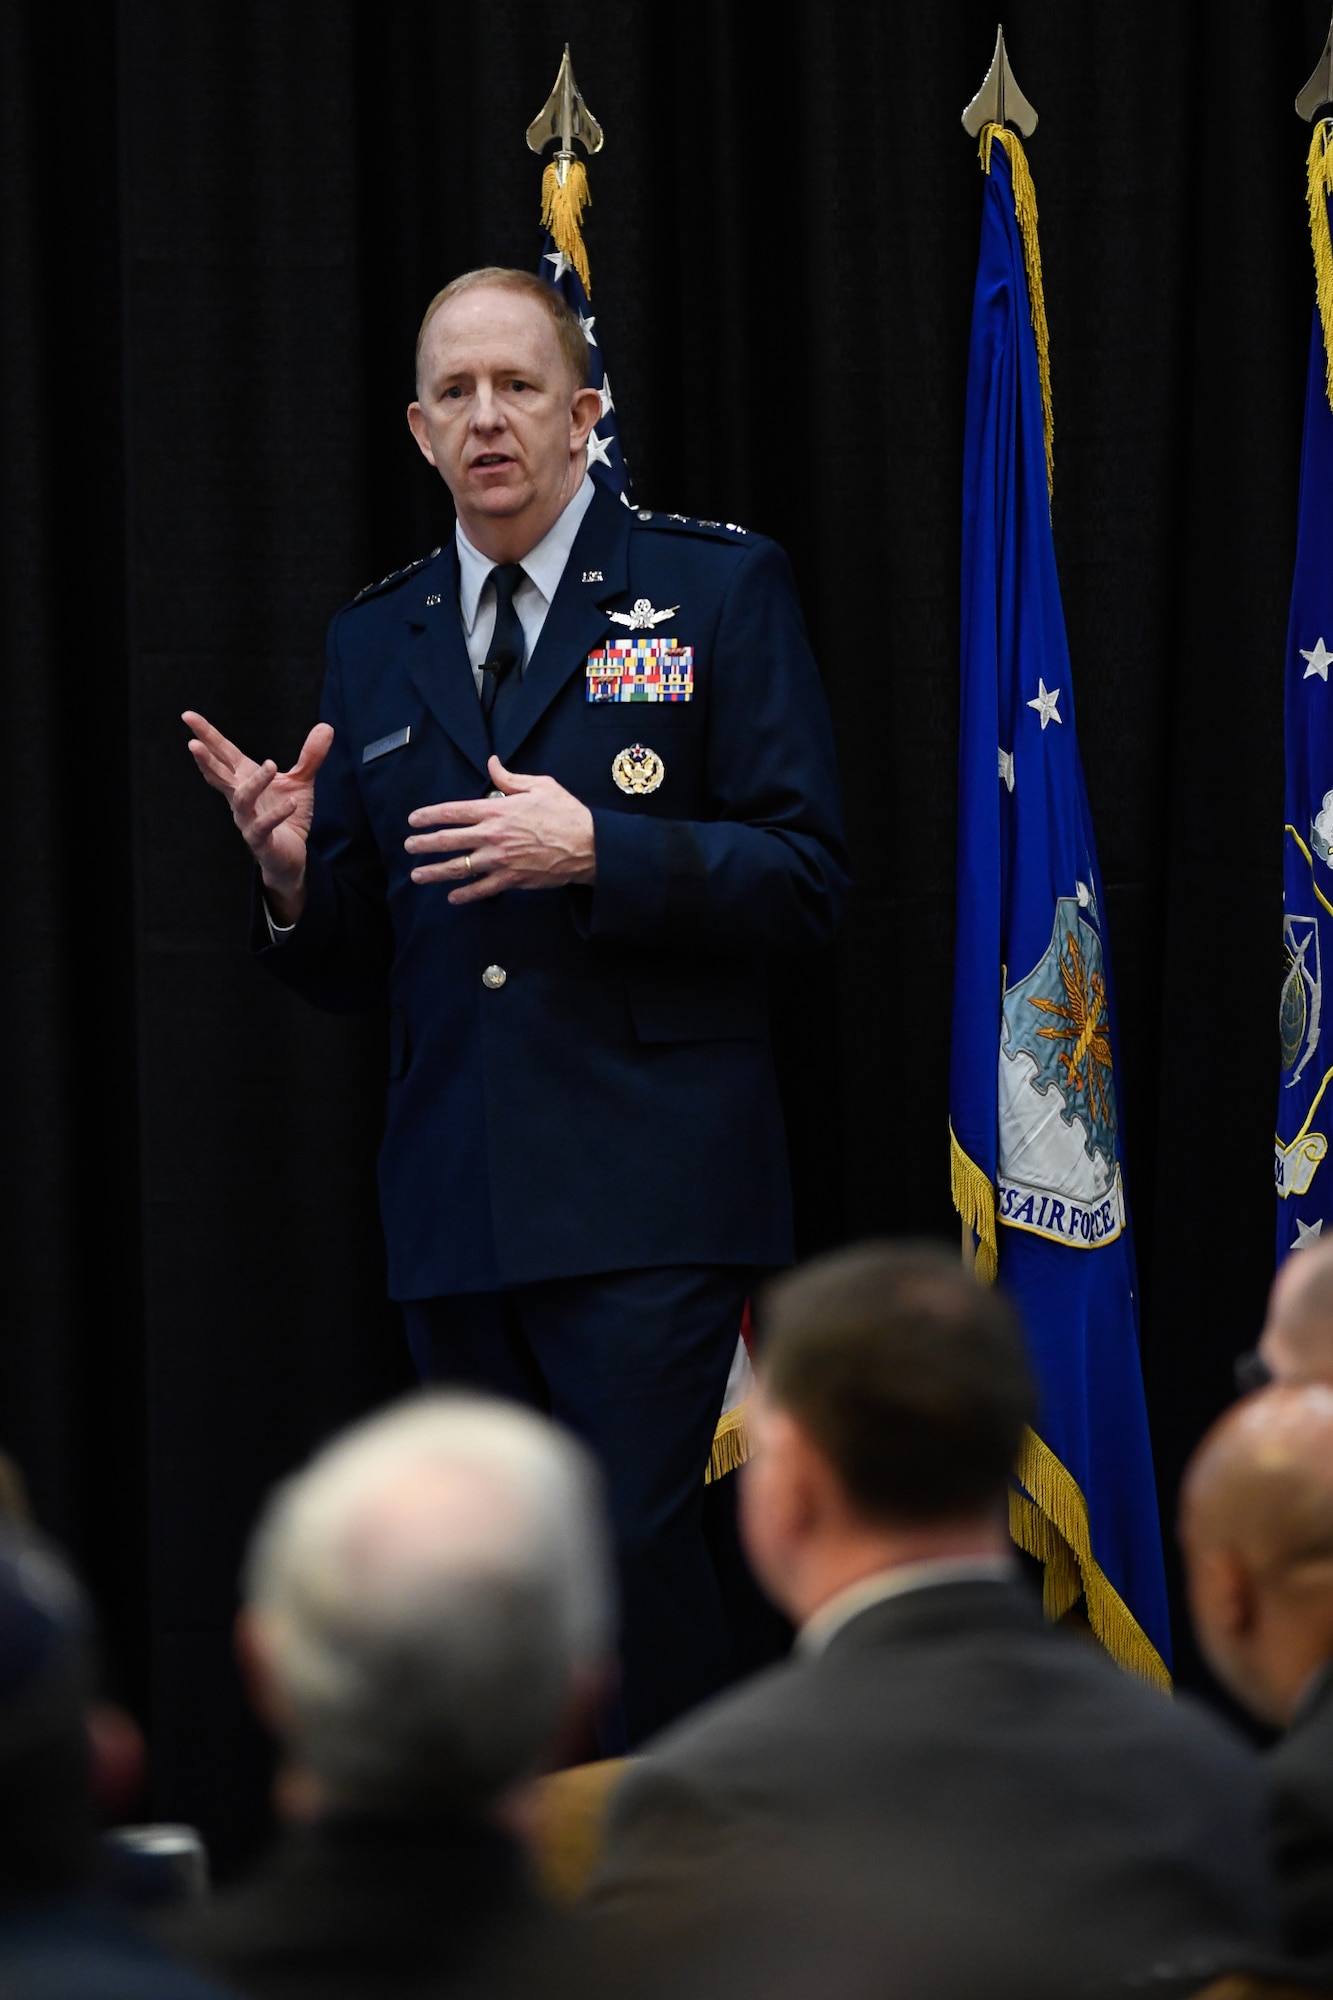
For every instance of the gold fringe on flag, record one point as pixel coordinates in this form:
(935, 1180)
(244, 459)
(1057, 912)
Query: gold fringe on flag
(1062, 1585)
(731, 1445)
(563, 203)
(1052, 1510)
(974, 1198)
(1025, 205)
(1318, 187)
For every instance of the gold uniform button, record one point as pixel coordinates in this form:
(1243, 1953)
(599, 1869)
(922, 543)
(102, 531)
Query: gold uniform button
(494, 977)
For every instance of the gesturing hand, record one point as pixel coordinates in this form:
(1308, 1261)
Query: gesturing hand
(535, 836)
(272, 808)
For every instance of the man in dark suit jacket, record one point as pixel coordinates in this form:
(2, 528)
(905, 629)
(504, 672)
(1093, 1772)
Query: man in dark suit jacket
(427, 1609)
(574, 781)
(928, 1707)
(62, 1937)
(1257, 1531)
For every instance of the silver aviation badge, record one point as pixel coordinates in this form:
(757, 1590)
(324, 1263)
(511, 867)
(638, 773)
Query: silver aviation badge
(642, 618)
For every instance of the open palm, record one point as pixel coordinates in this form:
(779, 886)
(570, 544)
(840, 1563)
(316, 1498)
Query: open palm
(272, 808)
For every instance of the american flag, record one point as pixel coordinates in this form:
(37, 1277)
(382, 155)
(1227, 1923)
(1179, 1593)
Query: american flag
(606, 458)
(606, 463)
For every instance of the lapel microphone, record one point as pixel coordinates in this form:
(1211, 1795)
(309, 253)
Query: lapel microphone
(501, 662)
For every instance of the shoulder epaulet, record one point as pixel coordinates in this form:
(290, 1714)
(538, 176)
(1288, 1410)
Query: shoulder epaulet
(686, 524)
(394, 576)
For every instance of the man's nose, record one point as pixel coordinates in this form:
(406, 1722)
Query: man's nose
(487, 411)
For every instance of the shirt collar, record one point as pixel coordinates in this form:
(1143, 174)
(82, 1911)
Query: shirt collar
(899, 1581)
(543, 566)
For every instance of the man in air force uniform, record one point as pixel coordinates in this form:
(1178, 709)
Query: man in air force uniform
(573, 781)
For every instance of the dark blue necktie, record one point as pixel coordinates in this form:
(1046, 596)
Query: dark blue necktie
(503, 665)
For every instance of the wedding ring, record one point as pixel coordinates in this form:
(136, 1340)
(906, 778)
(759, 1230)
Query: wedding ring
(468, 859)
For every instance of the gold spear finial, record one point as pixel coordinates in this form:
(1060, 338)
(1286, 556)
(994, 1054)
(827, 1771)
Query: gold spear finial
(565, 117)
(999, 100)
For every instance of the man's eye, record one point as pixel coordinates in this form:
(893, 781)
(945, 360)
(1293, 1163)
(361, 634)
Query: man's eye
(518, 384)
(453, 393)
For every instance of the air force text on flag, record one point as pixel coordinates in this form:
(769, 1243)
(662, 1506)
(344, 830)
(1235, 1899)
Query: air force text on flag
(1305, 1091)
(1035, 1127)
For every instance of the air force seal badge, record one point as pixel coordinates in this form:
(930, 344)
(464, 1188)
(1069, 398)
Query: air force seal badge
(1059, 1167)
(638, 769)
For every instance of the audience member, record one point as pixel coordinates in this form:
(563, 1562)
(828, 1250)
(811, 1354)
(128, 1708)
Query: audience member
(1257, 1531)
(58, 1939)
(928, 1709)
(427, 1606)
(1296, 1344)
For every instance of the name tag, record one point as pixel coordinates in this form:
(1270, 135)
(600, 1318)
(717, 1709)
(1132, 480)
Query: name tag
(641, 670)
(397, 739)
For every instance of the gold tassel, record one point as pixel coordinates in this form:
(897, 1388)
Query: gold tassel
(1025, 206)
(1062, 1586)
(1051, 1511)
(974, 1198)
(731, 1445)
(563, 203)
(1318, 186)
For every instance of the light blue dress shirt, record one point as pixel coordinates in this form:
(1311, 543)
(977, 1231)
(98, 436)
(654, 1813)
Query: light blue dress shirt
(542, 568)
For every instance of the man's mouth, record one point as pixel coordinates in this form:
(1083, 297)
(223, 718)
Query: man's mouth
(488, 459)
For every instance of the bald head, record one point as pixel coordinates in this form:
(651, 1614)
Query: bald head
(1297, 1340)
(1257, 1530)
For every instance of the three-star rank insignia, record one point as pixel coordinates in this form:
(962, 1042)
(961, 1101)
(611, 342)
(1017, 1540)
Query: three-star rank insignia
(637, 769)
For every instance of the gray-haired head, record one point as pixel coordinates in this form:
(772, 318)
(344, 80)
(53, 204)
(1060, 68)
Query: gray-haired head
(427, 1594)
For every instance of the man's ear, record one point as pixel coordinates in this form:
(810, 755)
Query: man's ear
(416, 423)
(584, 411)
(270, 1704)
(1223, 1592)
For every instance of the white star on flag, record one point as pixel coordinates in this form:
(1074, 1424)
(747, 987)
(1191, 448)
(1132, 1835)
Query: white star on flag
(605, 393)
(599, 452)
(1320, 660)
(1044, 704)
(586, 324)
(1007, 767)
(1307, 1233)
(561, 263)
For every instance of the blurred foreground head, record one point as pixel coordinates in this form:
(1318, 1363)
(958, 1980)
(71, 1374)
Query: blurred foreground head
(1256, 1525)
(426, 1601)
(894, 1391)
(1297, 1340)
(46, 1680)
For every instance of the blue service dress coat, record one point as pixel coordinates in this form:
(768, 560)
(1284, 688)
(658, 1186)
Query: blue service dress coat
(612, 1103)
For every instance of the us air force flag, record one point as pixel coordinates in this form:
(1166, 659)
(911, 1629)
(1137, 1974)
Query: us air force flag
(1305, 1099)
(1035, 1129)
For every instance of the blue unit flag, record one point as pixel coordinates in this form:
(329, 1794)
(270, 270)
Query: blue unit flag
(1305, 1097)
(1036, 1144)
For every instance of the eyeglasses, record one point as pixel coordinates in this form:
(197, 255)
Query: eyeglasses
(1250, 1372)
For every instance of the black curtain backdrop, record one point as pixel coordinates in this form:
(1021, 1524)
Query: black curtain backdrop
(218, 227)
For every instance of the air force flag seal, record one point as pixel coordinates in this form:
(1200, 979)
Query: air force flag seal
(1059, 1166)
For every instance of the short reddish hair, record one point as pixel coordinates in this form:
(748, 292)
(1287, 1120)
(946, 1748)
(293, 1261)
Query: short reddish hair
(573, 341)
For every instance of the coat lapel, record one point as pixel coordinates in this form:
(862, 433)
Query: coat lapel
(575, 622)
(439, 668)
